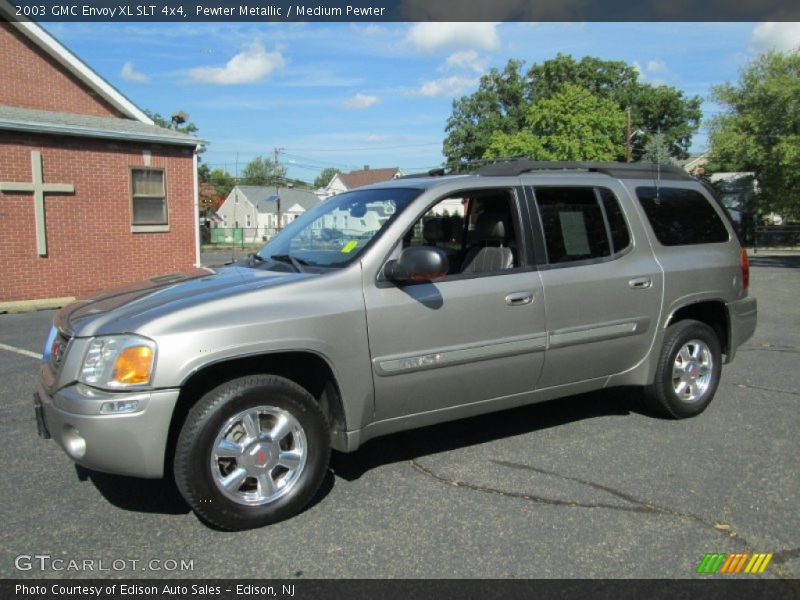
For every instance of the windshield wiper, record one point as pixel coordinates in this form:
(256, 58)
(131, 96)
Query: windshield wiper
(297, 263)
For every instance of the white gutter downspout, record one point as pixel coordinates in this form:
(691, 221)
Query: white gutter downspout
(196, 209)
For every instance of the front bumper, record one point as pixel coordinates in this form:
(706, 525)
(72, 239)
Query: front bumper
(743, 316)
(125, 444)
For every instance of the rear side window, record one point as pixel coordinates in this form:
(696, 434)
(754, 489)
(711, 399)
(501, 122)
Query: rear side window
(681, 217)
(581, 223)
(620, 238)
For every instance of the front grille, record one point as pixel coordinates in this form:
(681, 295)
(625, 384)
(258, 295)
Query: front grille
(59, 350)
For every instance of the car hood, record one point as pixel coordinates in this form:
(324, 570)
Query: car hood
(119, 310)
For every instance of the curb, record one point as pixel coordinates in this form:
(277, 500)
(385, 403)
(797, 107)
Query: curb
(20, 306)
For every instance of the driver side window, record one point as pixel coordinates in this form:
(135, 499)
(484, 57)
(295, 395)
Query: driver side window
(477, 231)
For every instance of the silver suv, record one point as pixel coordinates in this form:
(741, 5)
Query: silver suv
(394, 306)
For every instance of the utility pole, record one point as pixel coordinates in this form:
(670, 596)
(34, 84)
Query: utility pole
(276, 170)
(628, 136)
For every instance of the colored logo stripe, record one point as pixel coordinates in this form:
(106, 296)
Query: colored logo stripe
(720, 562)
(758, 563)
(711, 562)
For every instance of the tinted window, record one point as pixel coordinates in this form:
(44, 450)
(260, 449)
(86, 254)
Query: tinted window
(574, 227)
(620, 238)
(680, 216)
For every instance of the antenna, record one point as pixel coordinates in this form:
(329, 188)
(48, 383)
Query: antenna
(658, 170)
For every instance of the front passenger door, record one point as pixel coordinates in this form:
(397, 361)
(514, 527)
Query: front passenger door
(477, 334)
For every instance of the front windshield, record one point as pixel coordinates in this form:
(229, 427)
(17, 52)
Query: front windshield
(335, 232)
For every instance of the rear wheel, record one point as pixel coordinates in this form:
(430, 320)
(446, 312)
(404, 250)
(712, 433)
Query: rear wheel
(251, 452)
(688, 370)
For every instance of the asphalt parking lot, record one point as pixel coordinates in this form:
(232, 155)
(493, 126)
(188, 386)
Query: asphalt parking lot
(588, 486)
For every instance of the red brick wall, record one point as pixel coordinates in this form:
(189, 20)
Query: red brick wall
(89, 240)
(31, 79)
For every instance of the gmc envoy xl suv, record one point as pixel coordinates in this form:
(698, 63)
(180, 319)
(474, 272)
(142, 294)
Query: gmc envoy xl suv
(419, 300)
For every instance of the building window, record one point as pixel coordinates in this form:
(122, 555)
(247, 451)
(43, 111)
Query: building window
(148, 200)
(247, 221)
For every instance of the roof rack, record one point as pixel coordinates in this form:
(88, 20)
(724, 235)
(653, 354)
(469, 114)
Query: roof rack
(437, 172)
(613, 169)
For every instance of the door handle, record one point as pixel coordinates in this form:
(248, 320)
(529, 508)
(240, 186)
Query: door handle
(519, 298)
(640, 283)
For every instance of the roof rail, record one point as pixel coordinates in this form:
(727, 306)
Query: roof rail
(437, 172)
(613, 169)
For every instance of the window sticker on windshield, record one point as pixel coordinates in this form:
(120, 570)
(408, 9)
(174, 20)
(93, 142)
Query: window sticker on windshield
(349, 246)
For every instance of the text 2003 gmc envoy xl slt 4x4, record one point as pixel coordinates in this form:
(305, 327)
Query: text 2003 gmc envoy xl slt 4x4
(407, 303)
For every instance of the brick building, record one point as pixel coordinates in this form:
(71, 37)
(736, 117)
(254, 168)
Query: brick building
(92, 194)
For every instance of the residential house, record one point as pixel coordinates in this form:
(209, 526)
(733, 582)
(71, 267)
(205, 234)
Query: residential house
(92, 193)
(343, 182)
(255, 208)
(696, 164)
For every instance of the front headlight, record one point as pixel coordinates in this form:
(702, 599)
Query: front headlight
(118, 361)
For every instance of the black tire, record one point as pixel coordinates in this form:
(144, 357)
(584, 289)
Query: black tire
(193, 463)
(661, 396)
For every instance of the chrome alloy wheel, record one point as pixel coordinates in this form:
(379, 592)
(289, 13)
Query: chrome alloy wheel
(258, 455)
(692, 371)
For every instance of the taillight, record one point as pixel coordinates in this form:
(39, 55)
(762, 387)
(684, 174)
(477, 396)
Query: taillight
(745, 270)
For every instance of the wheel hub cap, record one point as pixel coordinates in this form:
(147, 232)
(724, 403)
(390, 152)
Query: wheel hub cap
(259, 455)
(692, 371)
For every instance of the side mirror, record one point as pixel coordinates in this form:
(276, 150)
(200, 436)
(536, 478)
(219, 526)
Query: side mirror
(417, 264)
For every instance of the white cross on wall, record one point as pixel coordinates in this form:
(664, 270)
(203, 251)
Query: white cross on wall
(39, 189)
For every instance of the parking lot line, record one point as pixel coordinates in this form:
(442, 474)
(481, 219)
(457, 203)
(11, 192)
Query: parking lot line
(20, 351)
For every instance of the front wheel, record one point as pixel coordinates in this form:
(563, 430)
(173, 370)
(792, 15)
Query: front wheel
(688, 370)
(251, 452)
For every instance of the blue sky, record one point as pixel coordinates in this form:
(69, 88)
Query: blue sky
(346, 95)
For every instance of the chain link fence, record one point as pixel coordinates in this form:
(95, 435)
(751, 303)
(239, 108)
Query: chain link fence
(237, 236)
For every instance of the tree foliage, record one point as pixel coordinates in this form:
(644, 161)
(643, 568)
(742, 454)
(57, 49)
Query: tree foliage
(324, 178)
(179, 121)
(759, 130)
(657, 150)
(262, 171)
(503, 99)
(571, 124)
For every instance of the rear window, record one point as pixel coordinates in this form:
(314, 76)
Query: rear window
(681, 217)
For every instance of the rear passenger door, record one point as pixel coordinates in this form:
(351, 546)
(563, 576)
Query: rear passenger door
(602, 285)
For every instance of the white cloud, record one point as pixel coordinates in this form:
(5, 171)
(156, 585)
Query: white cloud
(374, 138)
(250, 65)
(783, 37)
(360, 101)
(466, 60)
(435, 37)
(446, 86)
(653, 71)
(128, 73)
(657, 66)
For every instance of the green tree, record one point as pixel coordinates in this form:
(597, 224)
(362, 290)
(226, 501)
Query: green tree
(572, 124)
(222, 181)
(657, 150)
(179, 121)
(262, 171)
(500, 105)
(324, 178)
(759, 130)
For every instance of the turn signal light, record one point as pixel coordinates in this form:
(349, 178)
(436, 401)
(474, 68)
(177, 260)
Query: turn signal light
(133, 365)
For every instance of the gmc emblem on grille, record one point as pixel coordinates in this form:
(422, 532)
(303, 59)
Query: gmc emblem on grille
(57, 352)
